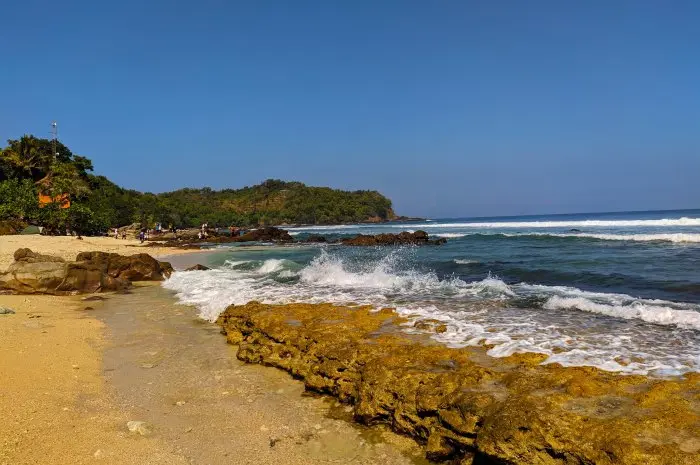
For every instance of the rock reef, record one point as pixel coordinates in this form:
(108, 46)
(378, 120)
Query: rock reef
(402, 238)
(464, 406)
(33, 273)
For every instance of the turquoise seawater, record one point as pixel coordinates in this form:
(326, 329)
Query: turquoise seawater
(620, 291)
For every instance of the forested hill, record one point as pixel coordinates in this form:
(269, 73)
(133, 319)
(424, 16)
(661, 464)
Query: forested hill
(28, 167)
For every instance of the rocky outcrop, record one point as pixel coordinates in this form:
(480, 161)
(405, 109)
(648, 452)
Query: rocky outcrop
(33, 273)
(139, 267)
(464, 406)
(268, 234)
(403, 238)
(28, 256)
(58, 278)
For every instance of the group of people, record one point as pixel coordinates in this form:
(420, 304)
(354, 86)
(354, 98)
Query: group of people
(145, 233)
(116, 233)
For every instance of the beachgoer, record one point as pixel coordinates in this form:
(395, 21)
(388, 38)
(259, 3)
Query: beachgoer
(124, 235)
(142, 235)
(116, 233)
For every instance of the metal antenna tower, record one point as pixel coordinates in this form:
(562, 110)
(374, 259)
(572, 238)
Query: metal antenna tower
(54, 138)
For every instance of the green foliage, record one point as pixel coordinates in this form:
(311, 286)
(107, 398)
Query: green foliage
(28, 166)
(18, 200)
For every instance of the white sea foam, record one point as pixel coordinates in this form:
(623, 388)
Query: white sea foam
(615, 332)
(562, 224)
(668, 237)
(462, 261)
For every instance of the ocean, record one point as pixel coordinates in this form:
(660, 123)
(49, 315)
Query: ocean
(617, 291)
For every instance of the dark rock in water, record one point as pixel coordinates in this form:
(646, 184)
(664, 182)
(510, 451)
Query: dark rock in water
(27, 255)
(6, 311)
(574, 230)
(465, 406)
(316, 239)
(139, 267)
(269, 234)
(198, 267)
(166, 269)
(403, 238)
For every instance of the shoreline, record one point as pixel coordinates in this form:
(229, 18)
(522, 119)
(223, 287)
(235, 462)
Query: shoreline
(76, 369)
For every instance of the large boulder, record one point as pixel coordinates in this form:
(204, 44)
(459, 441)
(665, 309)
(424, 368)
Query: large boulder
(33, 273)
(139, 267)
(57, 278)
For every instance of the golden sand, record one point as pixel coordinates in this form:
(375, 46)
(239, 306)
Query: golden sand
(68, 247)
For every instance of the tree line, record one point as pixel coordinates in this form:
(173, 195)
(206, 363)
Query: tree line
(29, 166)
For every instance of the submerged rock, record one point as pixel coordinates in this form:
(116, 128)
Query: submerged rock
(402, 238)
(463, 405)
(198, 267)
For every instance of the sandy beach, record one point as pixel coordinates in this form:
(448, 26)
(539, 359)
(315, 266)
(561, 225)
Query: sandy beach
(75, 371)
(68, 247)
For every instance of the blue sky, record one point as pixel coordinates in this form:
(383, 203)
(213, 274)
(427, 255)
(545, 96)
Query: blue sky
(451, 108)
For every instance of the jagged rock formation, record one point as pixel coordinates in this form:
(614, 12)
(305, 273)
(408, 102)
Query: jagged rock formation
(33, 273)
(464, 406)
(139, 267)
(403, 238)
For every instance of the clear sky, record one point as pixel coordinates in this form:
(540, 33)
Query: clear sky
(451, 108)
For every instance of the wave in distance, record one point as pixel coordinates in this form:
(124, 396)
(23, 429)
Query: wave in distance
(615, 332)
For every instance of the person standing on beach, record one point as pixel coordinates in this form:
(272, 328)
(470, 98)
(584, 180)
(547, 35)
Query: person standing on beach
(142, 235)
(116, 233)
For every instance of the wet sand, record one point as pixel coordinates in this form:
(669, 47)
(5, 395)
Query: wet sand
(175, 371)
(71, 379)
(55, 406)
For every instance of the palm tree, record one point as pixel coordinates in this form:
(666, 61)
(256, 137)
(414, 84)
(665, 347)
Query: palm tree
(27, 158)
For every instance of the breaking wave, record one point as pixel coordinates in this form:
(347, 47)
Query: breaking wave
(563, 224)
(615, 332)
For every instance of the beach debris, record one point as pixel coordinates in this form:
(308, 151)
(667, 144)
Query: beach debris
(147, 365)
(180, 403)
(91, 298)
(6, 311)
(98, 454)
(139, 427)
